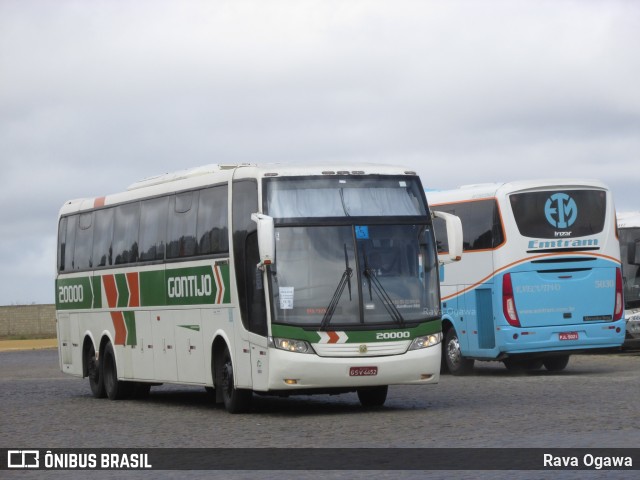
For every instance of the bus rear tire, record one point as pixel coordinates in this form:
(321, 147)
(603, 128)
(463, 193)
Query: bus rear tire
(452, 357)
(373, 396)
(556, 364)
(114, 388)
(235, 400)
(93, 372)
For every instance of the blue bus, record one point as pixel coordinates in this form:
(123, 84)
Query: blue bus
(540, 277)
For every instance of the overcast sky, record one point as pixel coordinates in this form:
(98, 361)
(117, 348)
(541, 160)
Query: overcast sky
(96, 95)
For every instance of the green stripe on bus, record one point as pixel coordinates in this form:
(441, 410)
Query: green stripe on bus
(171, 287)
(195, 328)
(152, 288)
(97, 291)
(224, 273)
(130, 323)
(123, 290)
(357, 336)
(191, 286)
(73, 293)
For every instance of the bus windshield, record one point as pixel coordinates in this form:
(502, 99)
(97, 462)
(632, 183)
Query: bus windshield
(630, 255)
(295, 197)
(350, 275)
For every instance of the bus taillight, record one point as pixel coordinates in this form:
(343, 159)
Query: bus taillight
(619, 310)
(508, 302)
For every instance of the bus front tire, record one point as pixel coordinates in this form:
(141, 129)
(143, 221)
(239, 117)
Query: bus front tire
(235, 400)
(114, 388)
(557, 363)
(455, 363)
(93, 372)
(373, 396)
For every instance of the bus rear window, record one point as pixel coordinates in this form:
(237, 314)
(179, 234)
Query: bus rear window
(559, 214)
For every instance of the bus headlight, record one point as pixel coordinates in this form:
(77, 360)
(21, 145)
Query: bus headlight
(426, 341)
(297, 346)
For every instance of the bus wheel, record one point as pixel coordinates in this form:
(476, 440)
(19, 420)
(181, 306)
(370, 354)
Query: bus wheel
(556, 364)
(373, 396)
(93, 371)
(456, 364)
(235, 400)
(114, 388)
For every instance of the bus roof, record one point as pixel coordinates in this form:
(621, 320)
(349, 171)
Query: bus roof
(221, 173)
(490, 190)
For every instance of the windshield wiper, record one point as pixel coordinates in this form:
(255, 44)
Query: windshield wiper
(344, 206)
(345, 280)
(387, 302)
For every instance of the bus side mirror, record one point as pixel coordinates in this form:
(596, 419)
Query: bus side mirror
(266, 239)
(454, 236)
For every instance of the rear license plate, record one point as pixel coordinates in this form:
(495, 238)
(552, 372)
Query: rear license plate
(363, 371)
(569, 336)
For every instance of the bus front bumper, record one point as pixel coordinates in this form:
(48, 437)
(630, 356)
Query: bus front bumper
(297, 371)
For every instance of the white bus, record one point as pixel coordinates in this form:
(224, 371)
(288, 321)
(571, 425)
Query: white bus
(540, 278)
(629, 233)
(247, 278)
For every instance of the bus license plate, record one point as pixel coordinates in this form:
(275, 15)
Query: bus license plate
(363, 371)
(569, 336)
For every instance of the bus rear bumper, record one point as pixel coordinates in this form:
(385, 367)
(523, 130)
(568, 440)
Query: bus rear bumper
(561, 338)
(296, 371)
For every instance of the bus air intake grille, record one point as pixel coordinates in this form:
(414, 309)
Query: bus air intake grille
(355, 349)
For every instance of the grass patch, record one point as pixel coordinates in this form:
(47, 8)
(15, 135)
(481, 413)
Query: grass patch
(27, 337)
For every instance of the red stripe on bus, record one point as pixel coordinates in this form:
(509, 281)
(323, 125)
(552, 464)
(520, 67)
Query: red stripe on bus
(134, 289)
(99, 202)
(333, 337)
(523, 260)
(118, 325)
(111, 290)
(219, 283)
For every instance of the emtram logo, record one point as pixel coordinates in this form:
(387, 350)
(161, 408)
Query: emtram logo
(561, 210)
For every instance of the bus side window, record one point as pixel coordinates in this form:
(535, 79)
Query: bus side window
(255, 288)
(62, 246)
(245, 245)
(125, 236)
(213, 224)
(181, 236)
(69, 245)
(102, 238)
(84, 241)
(481, 225)
(153, 228)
